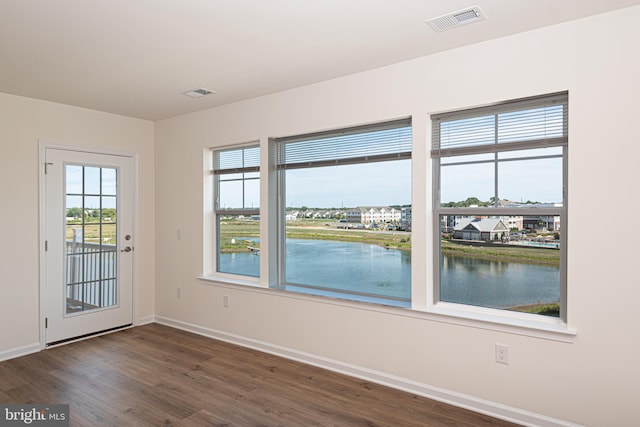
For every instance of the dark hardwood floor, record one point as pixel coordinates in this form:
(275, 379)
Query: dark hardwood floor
(154, 375)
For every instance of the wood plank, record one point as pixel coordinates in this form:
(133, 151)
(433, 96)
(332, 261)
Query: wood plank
(156, 375)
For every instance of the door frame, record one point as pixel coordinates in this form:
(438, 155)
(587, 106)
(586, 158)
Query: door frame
(43, 145)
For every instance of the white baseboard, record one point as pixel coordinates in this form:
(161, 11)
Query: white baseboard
(146, 320)
(20, 351)
(472, 403)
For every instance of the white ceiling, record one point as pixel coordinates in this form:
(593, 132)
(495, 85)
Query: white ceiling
(136, 57)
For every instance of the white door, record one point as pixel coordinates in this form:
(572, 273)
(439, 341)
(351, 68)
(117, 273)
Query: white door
(89, 243)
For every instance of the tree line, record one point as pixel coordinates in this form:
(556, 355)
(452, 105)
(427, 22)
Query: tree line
(91, 214)
(474, 201)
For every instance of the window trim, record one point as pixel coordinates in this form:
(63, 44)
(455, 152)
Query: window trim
(423, 307)
(434, 303)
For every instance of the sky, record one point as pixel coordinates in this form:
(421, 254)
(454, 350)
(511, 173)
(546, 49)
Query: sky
(371, 184)
(536, 180)
(389, 183)
(93, 183)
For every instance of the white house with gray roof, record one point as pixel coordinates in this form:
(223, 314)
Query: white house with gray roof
(486, 229)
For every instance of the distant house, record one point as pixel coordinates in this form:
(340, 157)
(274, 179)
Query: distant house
(485, 229)
(514, 221)
(551, 223)
(292, 216)
(321, 214)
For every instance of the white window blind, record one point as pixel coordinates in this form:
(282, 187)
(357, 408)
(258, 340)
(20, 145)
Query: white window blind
(236, 160)
(236, 180)
(532, 122)
(362, 144)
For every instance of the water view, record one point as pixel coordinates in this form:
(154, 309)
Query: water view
(497, 284)
(373, 270)
(348, 266)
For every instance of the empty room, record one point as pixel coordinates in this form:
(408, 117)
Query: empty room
(291, 213)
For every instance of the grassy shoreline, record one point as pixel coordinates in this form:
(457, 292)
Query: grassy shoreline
(506, 253)
(244, 230)
(396, 240)
(546, 309)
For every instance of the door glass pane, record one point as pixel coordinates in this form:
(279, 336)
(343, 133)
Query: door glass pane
(91, 180)
(74, 179)
(91, 236)
(109, 182)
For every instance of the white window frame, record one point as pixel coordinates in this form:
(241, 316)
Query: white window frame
(424, 305)
(490, 314)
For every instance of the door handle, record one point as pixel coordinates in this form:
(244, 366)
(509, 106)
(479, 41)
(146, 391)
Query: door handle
(127, 249)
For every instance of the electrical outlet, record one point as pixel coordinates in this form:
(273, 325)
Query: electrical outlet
(225, 301)
(178, 234)
(179, 293)
(502, 354)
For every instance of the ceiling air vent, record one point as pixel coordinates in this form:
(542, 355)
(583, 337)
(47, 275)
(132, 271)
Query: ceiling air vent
(198, 93)
(456, 19)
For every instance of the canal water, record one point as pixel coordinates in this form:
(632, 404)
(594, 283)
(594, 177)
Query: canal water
(371, 269)
(497, 284)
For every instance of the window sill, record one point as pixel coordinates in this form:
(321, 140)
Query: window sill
(529, 325)
(222, 279)
(369, 299)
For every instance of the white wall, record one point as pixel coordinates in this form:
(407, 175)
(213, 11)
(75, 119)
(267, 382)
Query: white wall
(23, 122)
(593, 381)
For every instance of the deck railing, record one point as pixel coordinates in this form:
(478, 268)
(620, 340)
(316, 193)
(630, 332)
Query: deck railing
(91, 273)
